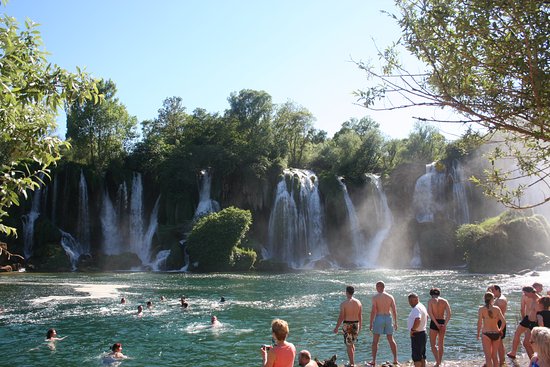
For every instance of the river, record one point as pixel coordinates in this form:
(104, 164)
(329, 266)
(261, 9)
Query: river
(85, 307)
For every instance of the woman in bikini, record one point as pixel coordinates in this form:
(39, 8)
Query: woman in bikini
(487, 323)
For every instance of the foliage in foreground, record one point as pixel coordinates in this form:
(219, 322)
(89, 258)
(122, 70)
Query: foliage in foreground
(32, 91)
(490, 62)
(215, 239)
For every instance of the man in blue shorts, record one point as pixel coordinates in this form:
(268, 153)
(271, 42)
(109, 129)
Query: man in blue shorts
(381, 322)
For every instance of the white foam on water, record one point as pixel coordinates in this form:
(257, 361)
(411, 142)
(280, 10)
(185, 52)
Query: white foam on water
(94, 291)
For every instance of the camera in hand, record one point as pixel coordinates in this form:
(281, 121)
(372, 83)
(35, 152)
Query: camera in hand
(266, 347)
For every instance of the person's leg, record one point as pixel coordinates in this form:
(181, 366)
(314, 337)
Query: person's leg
(515, 343)
(494, 352)
(393, 347)
(501, 359)
(486, 342)
(375, 339)
(351, 354)
(433, 343)
(527, 344)
(441, 344)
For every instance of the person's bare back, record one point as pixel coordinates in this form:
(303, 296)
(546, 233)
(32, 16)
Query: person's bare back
(351, 309)
(437, 307)
(383, 303)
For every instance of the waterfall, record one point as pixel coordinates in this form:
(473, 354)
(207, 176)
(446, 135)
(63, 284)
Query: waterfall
(83, 227)
(357, 239)
(141, 239)
(160, 261)
(384, 219)
(109, 226)
(428, 192)
(461, 212)
(122, 198)
(416, 261)
(136, 216)
(206, 205)
(28, 223)
(296, 229)
(73, 248)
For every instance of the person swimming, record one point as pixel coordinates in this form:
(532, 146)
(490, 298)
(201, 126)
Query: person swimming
(51, 335)
(215, 322)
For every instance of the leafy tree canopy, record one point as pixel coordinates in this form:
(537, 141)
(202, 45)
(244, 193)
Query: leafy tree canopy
(490, 62)
(32, 91)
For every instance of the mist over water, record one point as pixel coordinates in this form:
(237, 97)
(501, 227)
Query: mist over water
(86, 309)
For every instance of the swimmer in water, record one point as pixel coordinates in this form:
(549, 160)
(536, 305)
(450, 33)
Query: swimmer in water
(51, 335)
(116, 352)
(214, 321)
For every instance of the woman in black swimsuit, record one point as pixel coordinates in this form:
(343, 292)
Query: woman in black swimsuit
(487, 322)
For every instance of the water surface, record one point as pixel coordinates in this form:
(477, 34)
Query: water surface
(86, 308)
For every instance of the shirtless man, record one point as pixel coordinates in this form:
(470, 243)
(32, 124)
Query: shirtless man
(383, 308)
(502, 303)
(351, 315)
(529, 308)
(439, 311)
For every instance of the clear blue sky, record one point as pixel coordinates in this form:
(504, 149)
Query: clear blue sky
(202, 50)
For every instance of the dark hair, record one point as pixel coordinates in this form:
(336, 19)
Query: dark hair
(116, 346)
(545, 302)
(413, 295)
(50, 333)
(497, 288)
(435, 292)
(528, 289)
(350, 289)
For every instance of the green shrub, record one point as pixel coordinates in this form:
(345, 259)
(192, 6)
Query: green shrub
(214, 239)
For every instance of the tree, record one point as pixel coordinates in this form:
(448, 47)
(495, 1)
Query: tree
(489, 61)
(103, 132)
(32, 91)
(170, 124)
(294, 126)
(424, 144)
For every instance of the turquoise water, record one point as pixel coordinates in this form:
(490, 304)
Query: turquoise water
(85, 308)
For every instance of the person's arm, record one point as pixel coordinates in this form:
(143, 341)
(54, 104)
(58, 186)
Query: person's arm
(540, 320)
(447, 313)
(431, 313)
(360, 317)
(340, 318)
(394, 313)
(268, 357)
(479, 319)
(502, 320)
(372, 312)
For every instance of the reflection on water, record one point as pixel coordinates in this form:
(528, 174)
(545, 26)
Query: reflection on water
(86, 309)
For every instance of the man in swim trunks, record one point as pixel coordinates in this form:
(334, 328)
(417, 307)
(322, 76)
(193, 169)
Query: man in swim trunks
(383, 308)
(416, 324)
(439, 311)
(502, 303)
(528, 310)
(351, 318)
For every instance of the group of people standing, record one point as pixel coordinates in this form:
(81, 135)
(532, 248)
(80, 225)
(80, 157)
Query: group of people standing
(491, 326)
(383, 321)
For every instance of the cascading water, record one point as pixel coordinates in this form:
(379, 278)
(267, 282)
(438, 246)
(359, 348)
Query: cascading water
(28, 223)
(206, 204)
(416, 260)
(111, 243)
(357, 239)
(428, 192)
(160, 260)
(461, 209)
(136, 217)
(83, 227)
(383, 218)
(429, 197)
(296, 229)
(73, 248)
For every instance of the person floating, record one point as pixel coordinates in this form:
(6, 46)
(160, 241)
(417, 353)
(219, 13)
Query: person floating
(351, 318)
(183, 302)
(139, 310)
(123, 301)
(214, 321)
